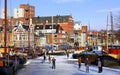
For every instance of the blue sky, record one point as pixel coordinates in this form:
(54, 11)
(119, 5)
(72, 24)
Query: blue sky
(93, 11)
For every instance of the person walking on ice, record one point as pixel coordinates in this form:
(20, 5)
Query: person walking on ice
(53, 63)
(87, 63)
(44, 57)
(99, 66)
(49, 58)
(79, 63)
(67, 52)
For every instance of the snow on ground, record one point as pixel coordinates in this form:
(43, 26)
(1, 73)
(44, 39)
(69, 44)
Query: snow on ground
(64, 66)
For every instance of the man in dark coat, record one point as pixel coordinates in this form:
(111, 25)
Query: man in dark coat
(87, 64)
(53, 63)
(99, 66)
(79, 62)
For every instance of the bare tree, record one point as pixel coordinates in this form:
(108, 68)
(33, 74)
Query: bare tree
(117, 21)
(117, 35)
(117, 26)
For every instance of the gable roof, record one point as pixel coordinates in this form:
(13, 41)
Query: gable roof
(21, 27)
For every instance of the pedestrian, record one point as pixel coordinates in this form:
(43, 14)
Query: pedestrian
(79, 63)
(53, 63)
(49, 58)
(44, 57)
(99, 66)
(87, 63)
(67, 54)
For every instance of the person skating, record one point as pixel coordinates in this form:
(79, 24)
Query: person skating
(44, 58)
(99, 66)
(67, 54)
(79, 63)
(49, 58)
(87, 63)
(53, 63)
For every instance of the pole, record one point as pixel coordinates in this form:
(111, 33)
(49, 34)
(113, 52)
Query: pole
(5, 26)
(107, 34)
(28, 16)
(52, 31)
(28, 38)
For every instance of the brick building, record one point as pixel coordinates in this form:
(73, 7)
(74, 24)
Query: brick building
(10, 36)
(57, 29)
(24, 13)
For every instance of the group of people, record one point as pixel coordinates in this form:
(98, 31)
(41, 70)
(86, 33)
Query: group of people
(51, 60)
(87, 64)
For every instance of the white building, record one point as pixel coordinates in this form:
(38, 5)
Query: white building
(77, 26)
(18, 12)
(21, 36)
(80, 35)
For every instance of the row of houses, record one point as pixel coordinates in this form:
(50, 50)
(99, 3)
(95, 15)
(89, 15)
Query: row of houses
(47, 30)
(50, 30)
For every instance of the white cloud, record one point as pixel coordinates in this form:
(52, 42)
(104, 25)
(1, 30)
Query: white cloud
(65, 1)
(108, 10)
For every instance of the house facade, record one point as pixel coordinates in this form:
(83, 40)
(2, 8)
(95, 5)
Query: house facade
(9, 38)
(80, 36)
(20, 32)
(56, 29)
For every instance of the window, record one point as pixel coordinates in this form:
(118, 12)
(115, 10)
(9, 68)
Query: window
(16, 37)
(55, 36)
(17, 11)
(23, 37)
(20, 38)
(46, 21)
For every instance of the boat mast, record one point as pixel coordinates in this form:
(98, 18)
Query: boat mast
(28, 20)
(52, 32)
(107, 34)
(5, 26)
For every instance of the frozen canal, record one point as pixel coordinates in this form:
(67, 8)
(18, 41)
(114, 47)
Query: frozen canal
(64, 66)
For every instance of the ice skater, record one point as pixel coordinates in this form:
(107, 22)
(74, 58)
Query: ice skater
(87, 63)
(53, 63)
(79, 63)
